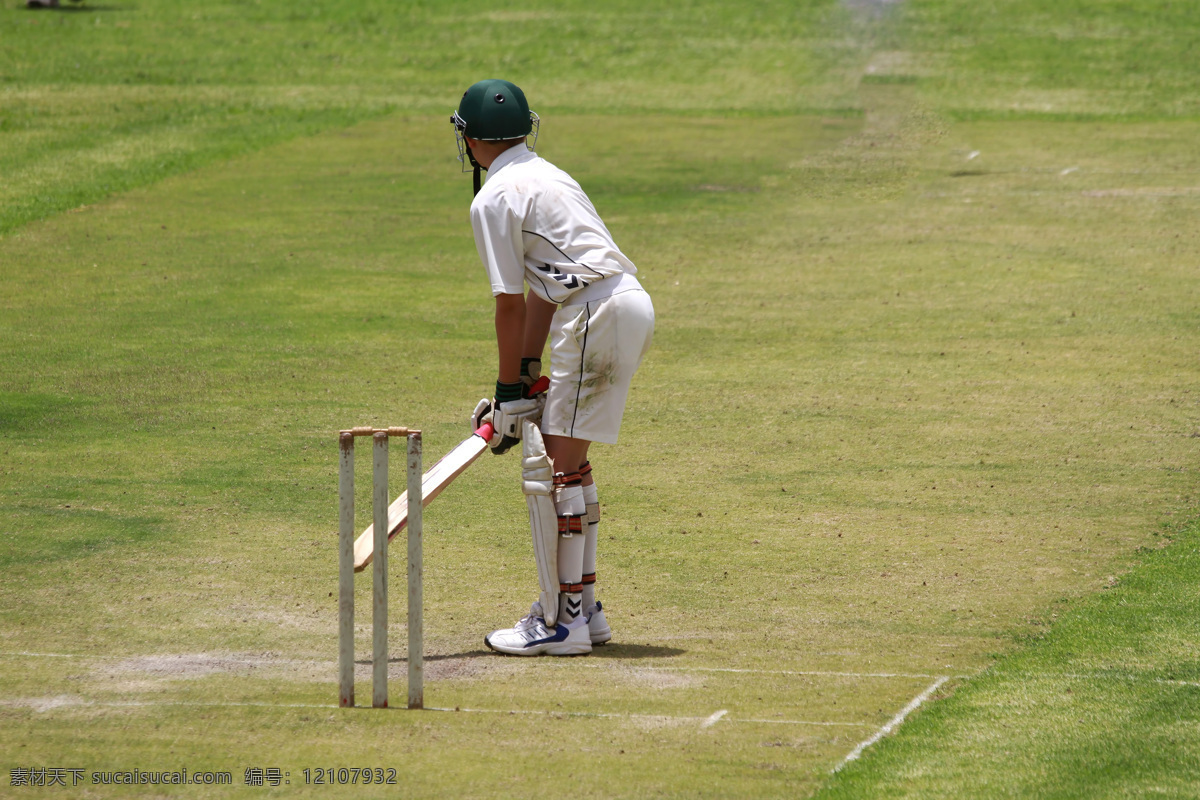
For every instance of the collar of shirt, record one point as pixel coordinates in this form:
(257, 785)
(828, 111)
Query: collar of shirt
(518, 152)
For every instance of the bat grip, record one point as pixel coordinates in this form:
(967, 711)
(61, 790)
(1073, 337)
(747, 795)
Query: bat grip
(485, 431)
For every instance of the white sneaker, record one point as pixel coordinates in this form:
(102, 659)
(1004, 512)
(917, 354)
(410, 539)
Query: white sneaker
(598, 630)
(531, 637)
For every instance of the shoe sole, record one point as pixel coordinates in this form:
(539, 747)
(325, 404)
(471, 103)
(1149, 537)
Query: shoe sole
(575, 649)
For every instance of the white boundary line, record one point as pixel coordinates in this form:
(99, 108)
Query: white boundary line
(913, 705)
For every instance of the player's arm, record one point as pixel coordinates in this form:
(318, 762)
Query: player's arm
(510, 335)
(498, 239)
(509, 407)
(538, 315)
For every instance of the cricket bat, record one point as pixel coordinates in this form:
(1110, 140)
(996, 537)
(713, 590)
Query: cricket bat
(437, 478)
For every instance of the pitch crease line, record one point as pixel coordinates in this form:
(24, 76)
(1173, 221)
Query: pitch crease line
(893, 723)
(64, 655)
(720, 715)
(812, 673)
(705, 721)
(802, 722)
(736, 670)
(157, 703)
(547, 713)
(181, 656)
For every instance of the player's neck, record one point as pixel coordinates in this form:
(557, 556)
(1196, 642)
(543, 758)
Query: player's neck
(487, 152)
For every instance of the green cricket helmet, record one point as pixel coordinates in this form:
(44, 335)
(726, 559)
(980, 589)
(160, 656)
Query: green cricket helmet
(492, 110)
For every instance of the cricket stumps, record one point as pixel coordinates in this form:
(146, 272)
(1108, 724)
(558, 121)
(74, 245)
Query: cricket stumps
(346, 535)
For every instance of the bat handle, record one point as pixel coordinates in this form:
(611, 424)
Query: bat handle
(485, 431)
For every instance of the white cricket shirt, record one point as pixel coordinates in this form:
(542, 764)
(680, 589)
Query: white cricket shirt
(533, 223)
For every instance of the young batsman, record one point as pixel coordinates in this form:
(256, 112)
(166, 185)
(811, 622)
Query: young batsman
(534, 226)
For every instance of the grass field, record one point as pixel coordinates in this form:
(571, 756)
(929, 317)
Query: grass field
(920, 422)
(1105, 705)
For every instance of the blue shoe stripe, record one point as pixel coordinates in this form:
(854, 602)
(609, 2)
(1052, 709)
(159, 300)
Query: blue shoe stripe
(560, 634)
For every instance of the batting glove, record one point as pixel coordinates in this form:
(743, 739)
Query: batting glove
(505, 414)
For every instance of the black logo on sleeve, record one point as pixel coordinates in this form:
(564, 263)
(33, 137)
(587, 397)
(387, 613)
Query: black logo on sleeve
(567, 281)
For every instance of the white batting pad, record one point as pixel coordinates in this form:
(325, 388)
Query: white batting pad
(537, 481)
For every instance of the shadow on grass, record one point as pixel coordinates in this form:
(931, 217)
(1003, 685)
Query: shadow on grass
(633, 651)
(621, 651)
(443, 657)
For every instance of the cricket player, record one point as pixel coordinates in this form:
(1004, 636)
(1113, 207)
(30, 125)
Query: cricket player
(534, 226)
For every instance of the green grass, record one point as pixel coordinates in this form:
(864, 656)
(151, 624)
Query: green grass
(922, 384)
(1077, 59)
(102, 98)
(1104, 705)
